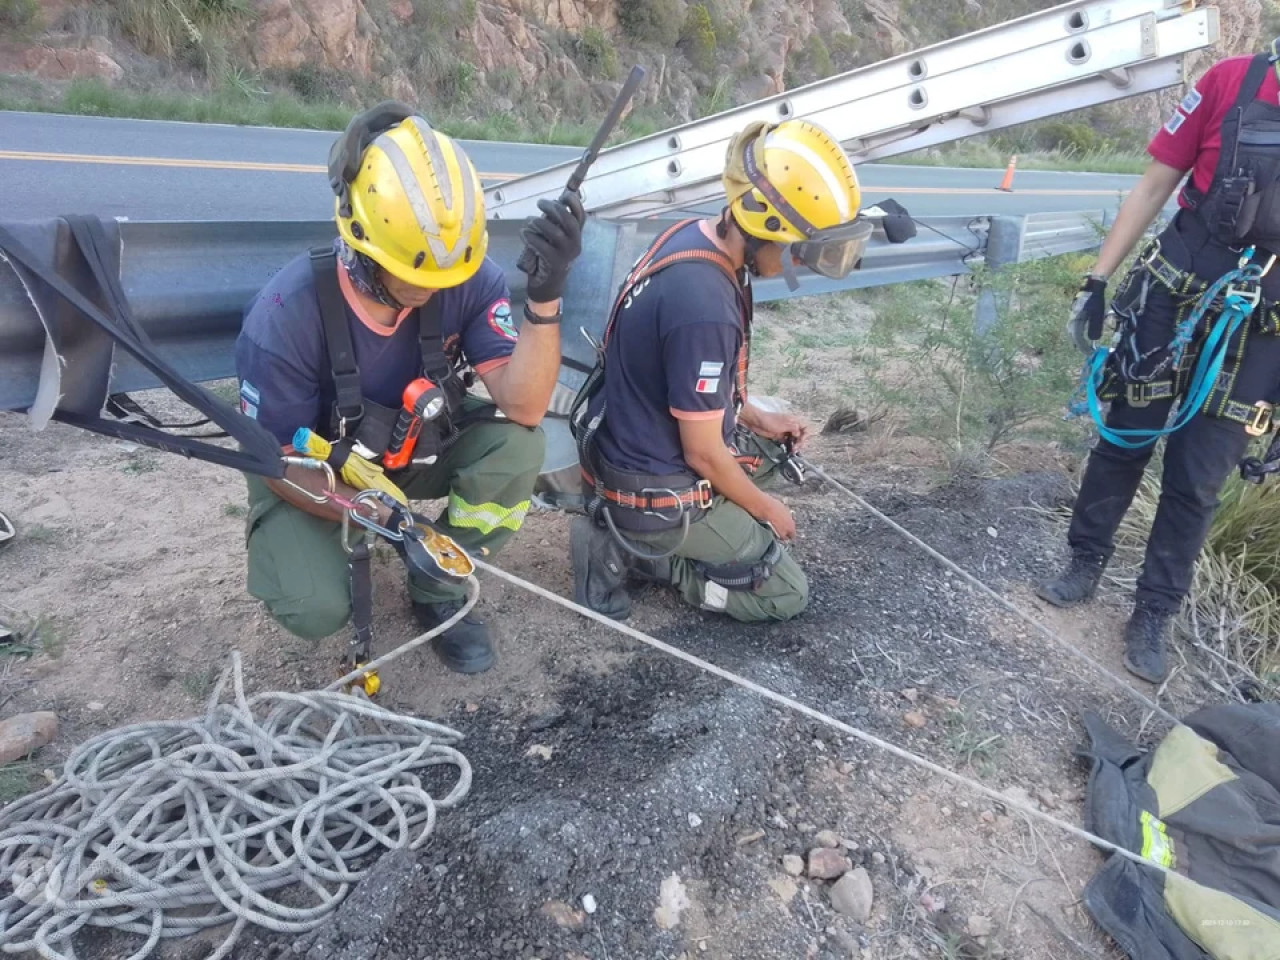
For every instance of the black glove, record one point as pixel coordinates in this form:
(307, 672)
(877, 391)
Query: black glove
(1088, 311)
(551, 243)
(898, 225)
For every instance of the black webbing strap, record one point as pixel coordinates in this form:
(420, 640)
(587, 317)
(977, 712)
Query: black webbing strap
(259, 453)
(435, 363)
(359, 567)
(124, 407)
(349, 398)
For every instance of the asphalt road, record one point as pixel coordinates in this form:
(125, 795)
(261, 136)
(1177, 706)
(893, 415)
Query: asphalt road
(158, 170)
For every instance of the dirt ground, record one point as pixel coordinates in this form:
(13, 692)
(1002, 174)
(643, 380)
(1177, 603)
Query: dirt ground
(127, 577)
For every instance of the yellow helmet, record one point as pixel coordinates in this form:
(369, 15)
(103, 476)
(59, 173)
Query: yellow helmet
(786, 183)
(414, 204)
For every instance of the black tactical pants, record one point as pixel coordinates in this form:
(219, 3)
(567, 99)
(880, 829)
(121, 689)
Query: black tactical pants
(1197, 460)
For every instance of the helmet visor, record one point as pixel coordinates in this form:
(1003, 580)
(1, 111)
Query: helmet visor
(834, 252)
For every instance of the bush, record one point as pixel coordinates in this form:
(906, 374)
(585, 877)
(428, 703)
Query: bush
(656, 22)
(844, 52)
(698, 38)
(976, 393)
(17, 14)
(1068, 137)
(595, 52)
(190, 31)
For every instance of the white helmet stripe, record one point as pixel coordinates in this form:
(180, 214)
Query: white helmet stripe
(436, 155)
(838, 190)
(418, 203)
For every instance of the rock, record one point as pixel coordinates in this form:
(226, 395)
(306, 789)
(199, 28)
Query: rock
(563, 915)
(400, 87)
(792, 865)
(979, 926)
(986, 816)
(932, 902)
(827, 864)
(849, 944)
(539, 751)
(992, 532)
(852, 895)
(827, 838)
(673, 899)
(695, 821)
(1048, 799)
(784, 887)
(65, 63)
(914, 718)
(402, 10)
(911, 694)
(589, 903)
(751, 837)
(877, 858)
(95, 706)
(26, 733)
(844, 768)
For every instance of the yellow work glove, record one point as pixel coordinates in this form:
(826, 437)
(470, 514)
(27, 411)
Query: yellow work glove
(355, 469)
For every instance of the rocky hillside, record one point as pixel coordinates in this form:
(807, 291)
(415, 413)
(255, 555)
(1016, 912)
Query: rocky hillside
(534, 63)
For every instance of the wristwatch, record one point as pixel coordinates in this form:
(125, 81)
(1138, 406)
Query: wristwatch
(531, 317)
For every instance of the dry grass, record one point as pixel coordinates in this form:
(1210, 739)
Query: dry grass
(1233, 618)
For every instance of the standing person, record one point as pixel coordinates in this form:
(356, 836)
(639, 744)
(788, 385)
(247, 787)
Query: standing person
(675, 462)
(1226, 132)
(334, 338)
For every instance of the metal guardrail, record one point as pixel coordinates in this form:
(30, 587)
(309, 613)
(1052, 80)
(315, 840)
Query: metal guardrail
(189, 282)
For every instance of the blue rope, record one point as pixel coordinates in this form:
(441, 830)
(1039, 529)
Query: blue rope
(1235, 311)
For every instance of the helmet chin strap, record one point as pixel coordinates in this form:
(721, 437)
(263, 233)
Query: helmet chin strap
(366, 276)
(751, 246)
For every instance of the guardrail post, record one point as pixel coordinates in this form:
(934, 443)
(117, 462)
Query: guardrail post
(1004, 246)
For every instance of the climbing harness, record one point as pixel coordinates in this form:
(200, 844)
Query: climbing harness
(647, 503)
(1233, 297)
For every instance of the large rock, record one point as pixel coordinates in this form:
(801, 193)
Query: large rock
(827, 864)
(852, 895)
(336, 34)
(70, 63)
(26, 733)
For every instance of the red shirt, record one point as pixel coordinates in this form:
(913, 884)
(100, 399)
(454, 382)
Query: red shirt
(1192, 138)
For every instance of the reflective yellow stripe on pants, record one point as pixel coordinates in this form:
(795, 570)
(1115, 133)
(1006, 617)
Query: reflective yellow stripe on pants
(486, 517)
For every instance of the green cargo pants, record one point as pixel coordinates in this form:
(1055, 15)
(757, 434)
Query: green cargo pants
(728, 534)
(297, 565)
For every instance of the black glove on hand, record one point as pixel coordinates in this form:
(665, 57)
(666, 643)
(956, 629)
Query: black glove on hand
(551, 243)
(1088, 311)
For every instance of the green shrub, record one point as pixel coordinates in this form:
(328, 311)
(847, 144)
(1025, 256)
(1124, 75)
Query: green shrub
(595, 52)
(18, 14)
(698, 38)
(1067, 136)
(190, 31)
(844, 52)
(655, 22)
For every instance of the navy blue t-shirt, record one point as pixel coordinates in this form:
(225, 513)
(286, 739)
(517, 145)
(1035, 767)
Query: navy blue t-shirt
(283, 366)
(673, 355)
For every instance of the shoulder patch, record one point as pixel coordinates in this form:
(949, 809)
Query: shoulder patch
(1191, 101)
(1175, 122)
(500, 319)
(249, 399)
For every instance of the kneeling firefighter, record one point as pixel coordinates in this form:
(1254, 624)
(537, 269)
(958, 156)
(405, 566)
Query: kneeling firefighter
(1198, 319)
(371, 342)
(671, 448)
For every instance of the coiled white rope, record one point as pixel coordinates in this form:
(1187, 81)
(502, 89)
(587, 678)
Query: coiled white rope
(266, 810)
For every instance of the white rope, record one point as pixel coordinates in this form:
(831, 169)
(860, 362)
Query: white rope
(990, 593)
(262, 811)
(826, 719)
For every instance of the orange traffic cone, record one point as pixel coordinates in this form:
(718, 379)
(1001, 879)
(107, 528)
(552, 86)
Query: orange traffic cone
(1007, 183)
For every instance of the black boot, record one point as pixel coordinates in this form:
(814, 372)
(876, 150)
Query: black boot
(1145, 638)
(599, 570)
(466, 647)
(1075, 584)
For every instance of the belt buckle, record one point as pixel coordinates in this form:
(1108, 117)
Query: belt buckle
(702, 489)
(650, 491)
(627, 499)
(1251, 296)
(1134, 395)
(1260, 422)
